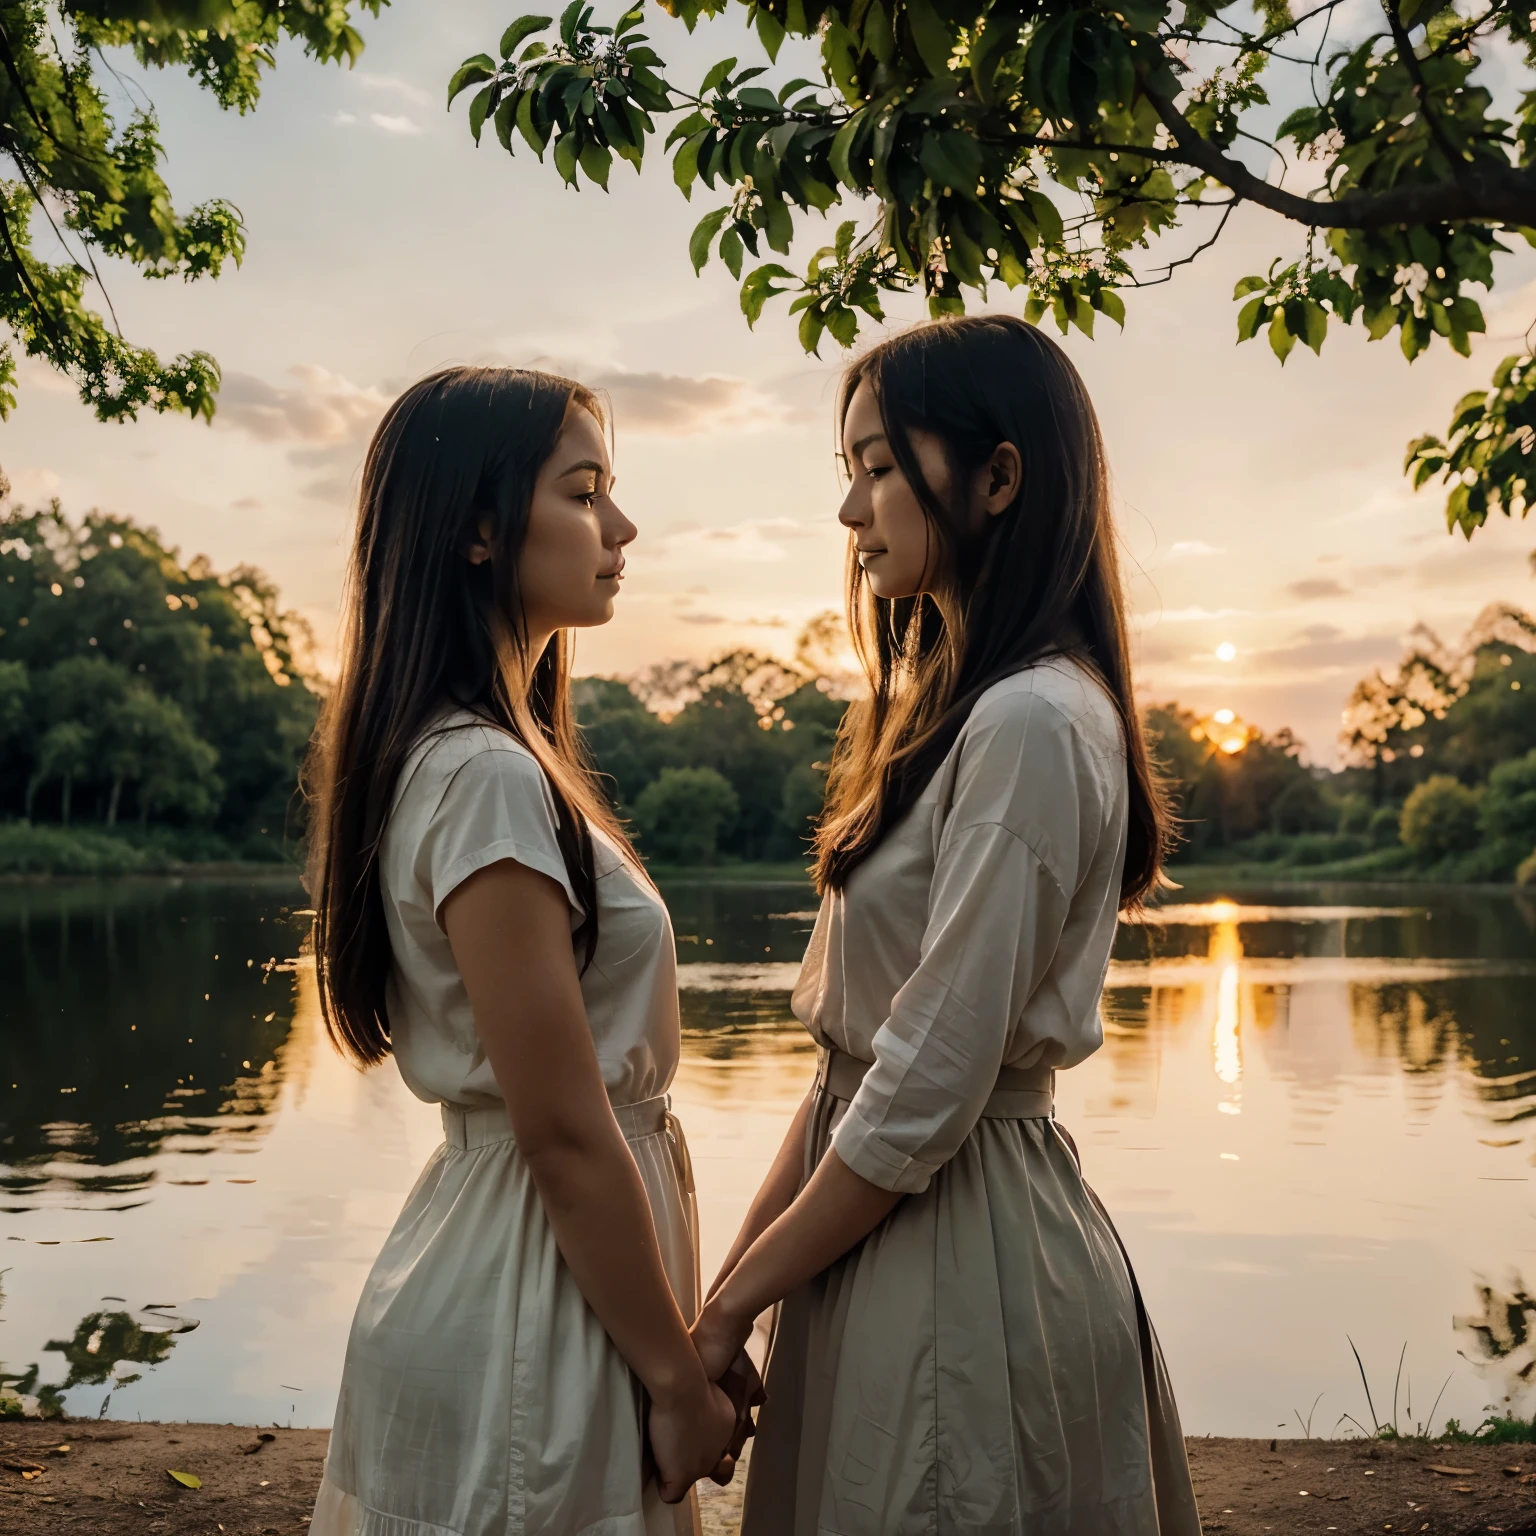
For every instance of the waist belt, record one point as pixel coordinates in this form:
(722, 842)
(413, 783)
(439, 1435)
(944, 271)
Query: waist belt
(468, 1129)
(1022, 1093)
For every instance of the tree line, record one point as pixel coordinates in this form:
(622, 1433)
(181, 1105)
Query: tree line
(138, 692)
(168, 702)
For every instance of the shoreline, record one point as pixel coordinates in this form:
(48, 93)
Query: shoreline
(1182, 876)
(115, 1477)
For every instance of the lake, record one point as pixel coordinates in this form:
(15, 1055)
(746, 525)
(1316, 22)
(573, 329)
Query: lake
(1312, 1120)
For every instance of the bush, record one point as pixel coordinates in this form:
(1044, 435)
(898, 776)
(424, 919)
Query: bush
(1384, 827)
(1321, 848)
(683, 813)
(1526, 874)
(1355, 815)
(29, 850)
(1439, 818)
(1509, 803)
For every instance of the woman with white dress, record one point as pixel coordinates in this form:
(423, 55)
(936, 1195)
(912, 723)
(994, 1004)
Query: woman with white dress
(520, 1353)
(960, 1347)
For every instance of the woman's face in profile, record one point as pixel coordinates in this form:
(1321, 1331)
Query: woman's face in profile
(881, 510)
(572, 559)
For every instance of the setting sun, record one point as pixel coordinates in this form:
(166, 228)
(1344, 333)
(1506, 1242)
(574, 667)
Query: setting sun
(1226, 651)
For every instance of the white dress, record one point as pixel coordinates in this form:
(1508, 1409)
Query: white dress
(981, 1364)
(481, 1394)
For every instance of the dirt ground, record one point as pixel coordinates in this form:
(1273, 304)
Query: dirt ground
(115, 1478)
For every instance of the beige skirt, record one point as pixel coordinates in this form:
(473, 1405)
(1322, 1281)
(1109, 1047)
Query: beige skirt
(980, 1365)
(481, 1396)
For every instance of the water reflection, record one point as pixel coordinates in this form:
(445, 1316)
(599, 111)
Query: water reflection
(138, 1020)
(1308, 1119)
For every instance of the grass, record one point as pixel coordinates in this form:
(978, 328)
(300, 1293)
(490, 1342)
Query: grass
(32, 850)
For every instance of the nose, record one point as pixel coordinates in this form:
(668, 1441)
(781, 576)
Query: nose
(854, 512)
(617, 529)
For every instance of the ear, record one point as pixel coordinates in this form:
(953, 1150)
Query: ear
(999, 479)
(479, 548)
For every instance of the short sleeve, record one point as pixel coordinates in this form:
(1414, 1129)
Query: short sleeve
(496, 805)
(1022, 823)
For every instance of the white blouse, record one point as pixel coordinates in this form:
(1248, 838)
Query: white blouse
(977, 934)
(470, 796)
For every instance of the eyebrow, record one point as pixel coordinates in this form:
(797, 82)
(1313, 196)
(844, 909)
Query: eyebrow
(582, 464)
(857, 451)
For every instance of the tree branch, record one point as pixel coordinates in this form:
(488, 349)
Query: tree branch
(1483, 191)
(1411, 64)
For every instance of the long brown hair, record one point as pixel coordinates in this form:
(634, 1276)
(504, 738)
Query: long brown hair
(424, 629)
(1041, 579)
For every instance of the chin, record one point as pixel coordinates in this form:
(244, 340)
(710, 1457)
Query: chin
(892, 590)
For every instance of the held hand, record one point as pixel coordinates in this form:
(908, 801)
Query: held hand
(744, 1386)
(689, 1440)
(719, 1336)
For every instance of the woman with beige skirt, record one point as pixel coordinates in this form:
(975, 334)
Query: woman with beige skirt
(519, 1364)
(960, 1347)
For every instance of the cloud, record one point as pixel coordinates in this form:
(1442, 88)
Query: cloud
(318, 408)
(393, 83)
(247, 504)
(1318, 634)
(391, 124)
(344, 119)
(1191, 549)
(1317, 586)
(654, 404)
(702, 618)
(1195, 615)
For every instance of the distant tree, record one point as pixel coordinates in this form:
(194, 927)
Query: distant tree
(1440, 818)
(15, 699)
(683, 814)
(64, 753)
(628, 741)
(1447, 708)
(192, 687)
(1508, 809)
(97, 185)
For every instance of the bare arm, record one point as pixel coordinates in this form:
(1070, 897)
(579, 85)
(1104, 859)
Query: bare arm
(509, 928)
(775, 1193)
(835, 1210)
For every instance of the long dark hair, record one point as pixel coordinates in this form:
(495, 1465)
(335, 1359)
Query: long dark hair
(424, 629)
(1041, 579)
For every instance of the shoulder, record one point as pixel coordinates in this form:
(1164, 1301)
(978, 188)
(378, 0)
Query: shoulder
(462, 752)
(1057, 703)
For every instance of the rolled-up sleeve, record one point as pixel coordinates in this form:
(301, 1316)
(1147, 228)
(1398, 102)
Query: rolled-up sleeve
(1002, 889)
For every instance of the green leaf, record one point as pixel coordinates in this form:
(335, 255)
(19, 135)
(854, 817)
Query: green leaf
(186, 1479)
(471, 72)
(704, 233)
(506, 115)
(524, 26)
(1280, 339)
(536, 138)
(842, 148)
(685, 163)
(1108, 302)
(1314, 324)
(731, 251)
(779, 225)
(478, 109)
(566, 158)
(935, 42)
(758, 289)
(1249, 285)
(570, 22)
(1047, 217)
(1251, 318)
(843, 324)
(811, 326)
(717, 76)
(952, 159)
(597, 160)
(694, 123)
(770, 33)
